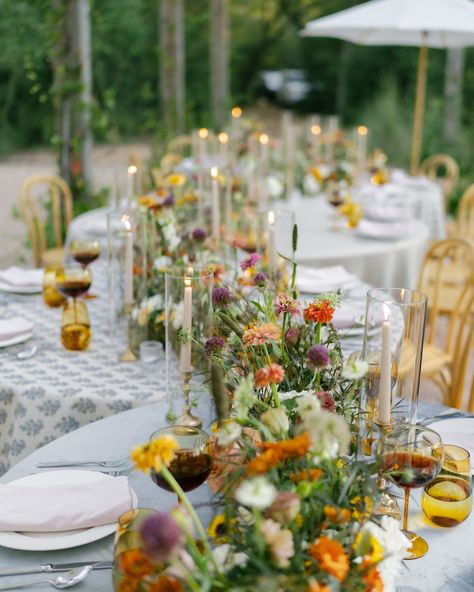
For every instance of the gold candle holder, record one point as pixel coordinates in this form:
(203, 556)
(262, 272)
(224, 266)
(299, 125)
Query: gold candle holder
(128, 355)
(187, 418)
(388, 505)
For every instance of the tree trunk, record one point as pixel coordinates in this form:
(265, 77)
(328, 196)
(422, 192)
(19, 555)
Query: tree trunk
(453, 95)
(219, 49)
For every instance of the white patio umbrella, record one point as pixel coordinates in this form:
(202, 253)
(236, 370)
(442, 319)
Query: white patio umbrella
(421, 23)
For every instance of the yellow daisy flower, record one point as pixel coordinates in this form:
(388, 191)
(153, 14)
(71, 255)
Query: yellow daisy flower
(154, 454)
(176, 179)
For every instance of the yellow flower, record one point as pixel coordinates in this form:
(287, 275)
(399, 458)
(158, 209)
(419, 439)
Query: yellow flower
(316, 174)
(368, 547)
(363, 507)
(154, 454)
(176, 179)
(217, 528)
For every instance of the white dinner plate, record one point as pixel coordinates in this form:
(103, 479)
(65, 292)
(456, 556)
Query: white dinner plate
(54, 541)
(4, 287)
(15, 340)
(458, 431)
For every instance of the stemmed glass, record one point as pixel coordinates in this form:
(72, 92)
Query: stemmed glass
(193, 460)
(85, 252)
(73, 281)
(411, 456)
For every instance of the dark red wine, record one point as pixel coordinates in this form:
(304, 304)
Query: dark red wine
(410, 469)
(86, 257)
(189, 470)
(73, 288)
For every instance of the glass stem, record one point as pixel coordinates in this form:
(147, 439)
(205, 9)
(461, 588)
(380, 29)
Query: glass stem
(75, 311)
(405, 509)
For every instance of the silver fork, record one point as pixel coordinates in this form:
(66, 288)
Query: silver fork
(106, 464)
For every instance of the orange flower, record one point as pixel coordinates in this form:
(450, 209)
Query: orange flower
(271, 374)
(295, 447)
(165, 584)
(306, 475)
(373, 581)
(337, 515)
(134, 563)
(264, 462)
(319, 312)
(331, 557)
(130, 585)
(261, 334)
(314, 586)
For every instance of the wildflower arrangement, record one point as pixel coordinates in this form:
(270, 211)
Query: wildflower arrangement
(293, 513)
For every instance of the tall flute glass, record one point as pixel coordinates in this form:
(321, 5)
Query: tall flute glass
(411, 456)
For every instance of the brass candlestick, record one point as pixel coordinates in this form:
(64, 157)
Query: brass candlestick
(128, 355)
(187, 418)
(388, 505)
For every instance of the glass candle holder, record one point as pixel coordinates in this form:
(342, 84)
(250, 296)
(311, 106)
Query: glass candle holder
(51, 296)
(393, 348)
(75, 326)
(188, 305)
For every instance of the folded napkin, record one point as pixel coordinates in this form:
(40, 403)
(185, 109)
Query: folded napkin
(383, 230)
(323, 279)
(14, 327)
(384, 213)
(349, 315)
(60, 506)
(22, 278)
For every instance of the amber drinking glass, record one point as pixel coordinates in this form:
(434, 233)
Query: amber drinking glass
(447, 501)
(411, 456)
(75, 326)
(51, 296)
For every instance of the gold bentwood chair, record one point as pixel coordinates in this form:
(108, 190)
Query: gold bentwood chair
(439, 163)
(465, 218)
(181, 145)
(449, 313)
(35, 206)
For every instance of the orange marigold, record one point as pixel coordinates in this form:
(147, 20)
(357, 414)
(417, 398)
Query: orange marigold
(373, 581)
(261, 334)
(337, 515)
(134, 563)
(306, 475)
(319, 312)
(331, 557)
(294, 447)
(314, 586)
(271, 374)
(264, 462)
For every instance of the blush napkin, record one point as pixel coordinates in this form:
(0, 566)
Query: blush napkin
(62, 506)
(14, 327)
(323, 279)
(22, 278)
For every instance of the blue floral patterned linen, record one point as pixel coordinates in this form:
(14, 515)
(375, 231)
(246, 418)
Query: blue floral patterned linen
(58, 391)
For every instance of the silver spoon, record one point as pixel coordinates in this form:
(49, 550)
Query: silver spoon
(27, 353)
(66, 580)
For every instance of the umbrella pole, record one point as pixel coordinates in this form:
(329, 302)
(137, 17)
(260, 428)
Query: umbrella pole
(419, 107)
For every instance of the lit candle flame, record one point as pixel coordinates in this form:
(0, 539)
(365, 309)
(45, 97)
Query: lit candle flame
(362, 130)
(236, 112)
(263, 139)
(387, 313)
(223, 138)
(214, 172)
(132, 170)
(126, 223)
(271, 218)
(315, 130)
(203, 133)
(187, 281)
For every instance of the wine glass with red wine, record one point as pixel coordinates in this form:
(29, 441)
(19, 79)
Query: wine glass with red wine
(85, 252)
(72, 282)
(411, 456)
(193, 460)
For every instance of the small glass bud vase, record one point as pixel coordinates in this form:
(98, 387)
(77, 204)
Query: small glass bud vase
(75, 326)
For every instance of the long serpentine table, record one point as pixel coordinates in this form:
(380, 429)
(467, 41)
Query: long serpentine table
(448, 566)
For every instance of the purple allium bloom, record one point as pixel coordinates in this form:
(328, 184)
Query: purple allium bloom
(221, 297)
(199, 234)
(169, 200)
(327, 401)
(317, 357)
(260, 279)
(161, 536)
(251, 260)
(285, 303)
(292, 336)
(213, 346)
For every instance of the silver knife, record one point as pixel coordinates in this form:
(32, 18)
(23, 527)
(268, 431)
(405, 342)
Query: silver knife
(52, 567)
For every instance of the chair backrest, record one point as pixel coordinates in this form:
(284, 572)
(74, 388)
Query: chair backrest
(169, 162)
(462, 360)
(465, 219)
(34, 209)
(436, 164)
(447, 275)
(181, 144)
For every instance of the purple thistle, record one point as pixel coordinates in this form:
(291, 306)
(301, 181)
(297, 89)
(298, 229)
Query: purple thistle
(169, 201)
(213, 346)
(221, 297)
(251, 260)
(199, 234)
(327, 401)
(161, 536)
(317, 357)
(260, 279)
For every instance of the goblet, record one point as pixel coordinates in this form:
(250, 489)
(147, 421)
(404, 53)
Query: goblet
(73, 281)
(411, 456)
(193, 460)
(85, 252)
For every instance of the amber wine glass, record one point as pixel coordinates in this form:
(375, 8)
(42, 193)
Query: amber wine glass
(193, 460)
(85, 252)
(411, 456)
(72, 282)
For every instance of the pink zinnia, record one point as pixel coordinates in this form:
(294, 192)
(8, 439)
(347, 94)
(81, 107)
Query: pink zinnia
(272, 374)
(261, 334)
(250, 262)
(326, 400)
(285, 303)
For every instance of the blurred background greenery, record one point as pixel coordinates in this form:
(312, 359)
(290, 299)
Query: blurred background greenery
(370, 85)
